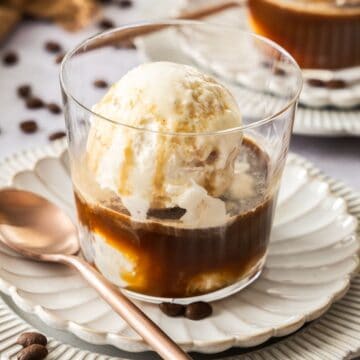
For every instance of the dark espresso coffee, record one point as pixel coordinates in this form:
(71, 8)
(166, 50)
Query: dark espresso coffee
(175, 262)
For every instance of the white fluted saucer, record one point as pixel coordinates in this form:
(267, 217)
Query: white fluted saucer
(313, 254)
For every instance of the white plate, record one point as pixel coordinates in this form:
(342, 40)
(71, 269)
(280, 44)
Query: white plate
(309, 267)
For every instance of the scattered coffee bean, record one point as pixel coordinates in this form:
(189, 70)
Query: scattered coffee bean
(198, 310)
(316, 82)
(279, 72)
(54, 108)
(102, 84)
(33, 352)
(28, 338)
(59, 58)
(106, 24)
(336, 84)
(10, 58)
(172, 310)
(52, 47)
(57, 135)
(34, 103)
(29, 126)
(125, 3)
(24, 91)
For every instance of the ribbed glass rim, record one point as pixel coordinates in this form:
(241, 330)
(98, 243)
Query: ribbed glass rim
(138, 25)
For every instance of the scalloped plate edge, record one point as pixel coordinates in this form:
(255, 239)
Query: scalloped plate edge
(138, 345)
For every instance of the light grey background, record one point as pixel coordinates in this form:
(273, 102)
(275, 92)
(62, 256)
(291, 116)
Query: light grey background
(338, 157)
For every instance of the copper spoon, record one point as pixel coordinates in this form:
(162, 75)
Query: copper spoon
(37, 229)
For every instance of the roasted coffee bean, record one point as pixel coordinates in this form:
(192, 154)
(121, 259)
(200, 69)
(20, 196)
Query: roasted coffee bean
(279, 72)
(172, 310)
(198, 310)
(59, 58)
(34, 103)
(28, 338)
(125, 3)
(336, 84)
(24, 91)
(52, 47)
(10, 58)
(316, 82)
(106, 24)
(102, 84)
(57, 135)
(33, 352)
(54, 108)
(29, 126)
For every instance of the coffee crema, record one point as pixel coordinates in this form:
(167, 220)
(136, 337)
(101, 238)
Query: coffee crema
(175, 262)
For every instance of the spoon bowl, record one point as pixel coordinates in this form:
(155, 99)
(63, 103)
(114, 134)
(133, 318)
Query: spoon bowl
(34, 227)
(37, 229)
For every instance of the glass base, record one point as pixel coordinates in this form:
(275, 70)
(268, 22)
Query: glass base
(253, 274)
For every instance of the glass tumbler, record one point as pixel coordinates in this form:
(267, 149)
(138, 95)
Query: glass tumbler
(178, 216)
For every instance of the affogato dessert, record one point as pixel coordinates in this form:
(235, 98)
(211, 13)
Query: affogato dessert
(318, 33)
(173, 200)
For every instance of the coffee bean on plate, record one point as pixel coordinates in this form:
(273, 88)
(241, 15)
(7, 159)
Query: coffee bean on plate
(29, 338)
(29, 126)
(34, 103)
(52, 47)
(102, 84)
(24, 91)
(316, 82)
(172, 310)
(336, 84)
(10, 58)
(57, 135)
(106, 24)
(125, 3)
(54, 108)
(198, 310)
(33, 352)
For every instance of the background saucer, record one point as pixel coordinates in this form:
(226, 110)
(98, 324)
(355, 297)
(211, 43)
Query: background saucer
(312, 96)
(308, 121)
(328, 112)
(309, 266)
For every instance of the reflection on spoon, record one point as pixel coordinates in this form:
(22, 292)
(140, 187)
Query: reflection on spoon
(37, 229)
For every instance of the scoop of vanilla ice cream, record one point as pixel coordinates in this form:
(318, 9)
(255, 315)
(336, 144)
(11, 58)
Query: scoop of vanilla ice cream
(156, 166)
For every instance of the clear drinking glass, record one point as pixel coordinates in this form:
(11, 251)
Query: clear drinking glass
(170, 248)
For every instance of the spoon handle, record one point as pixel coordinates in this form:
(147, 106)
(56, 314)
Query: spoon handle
(145, 327)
